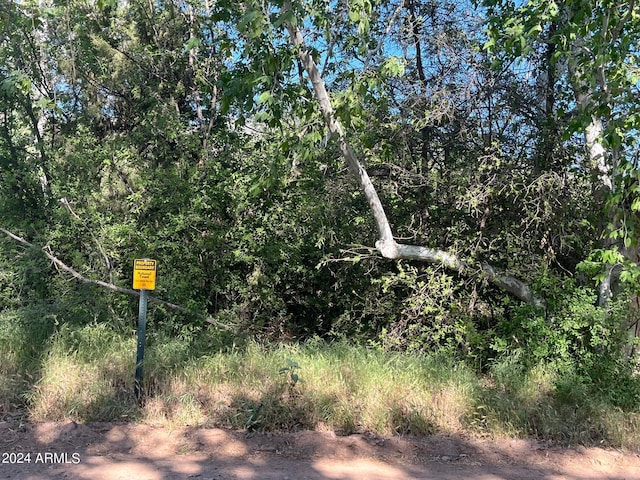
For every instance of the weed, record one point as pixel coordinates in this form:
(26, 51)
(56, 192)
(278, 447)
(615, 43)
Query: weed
(290, 372)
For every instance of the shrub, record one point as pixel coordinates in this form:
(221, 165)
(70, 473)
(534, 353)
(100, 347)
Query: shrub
(576, 337)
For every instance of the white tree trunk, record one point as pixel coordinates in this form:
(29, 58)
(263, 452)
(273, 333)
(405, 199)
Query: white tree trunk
(601, 166)
(599, 159)
(386, 244)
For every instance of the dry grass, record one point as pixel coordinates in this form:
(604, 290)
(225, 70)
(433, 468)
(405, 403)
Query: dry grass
(86, 374)
(341, 387)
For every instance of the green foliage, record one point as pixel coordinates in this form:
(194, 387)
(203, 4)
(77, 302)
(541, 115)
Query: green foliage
(191, 136)
(145, 146)
(427, 312)
(291, 373)
(589, 51)
(575, 338)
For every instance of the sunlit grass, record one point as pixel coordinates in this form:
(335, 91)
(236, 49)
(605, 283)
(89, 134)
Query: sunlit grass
(86, 374)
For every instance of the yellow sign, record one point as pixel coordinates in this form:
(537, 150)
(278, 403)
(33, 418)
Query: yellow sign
(144, 274)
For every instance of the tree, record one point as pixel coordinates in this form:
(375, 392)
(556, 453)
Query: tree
(386, 243)
(591, 49)
(189, 131)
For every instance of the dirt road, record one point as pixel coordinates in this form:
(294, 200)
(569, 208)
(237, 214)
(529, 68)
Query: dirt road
(141, 452)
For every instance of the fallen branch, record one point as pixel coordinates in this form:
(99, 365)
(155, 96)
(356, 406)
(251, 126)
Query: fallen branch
(506, 282)
(386, 245)
(110, 286)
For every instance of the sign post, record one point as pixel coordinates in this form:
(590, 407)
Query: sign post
(144, 279)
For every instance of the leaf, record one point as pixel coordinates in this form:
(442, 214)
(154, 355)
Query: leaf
(193, 43)
(287, 17)
(16, 81)
(535, 30)
(392, 67)
(292, 364)
(625, 276)
(264, 97)
(45, 103)
(489, 44)
(263, 117)
(251, 23)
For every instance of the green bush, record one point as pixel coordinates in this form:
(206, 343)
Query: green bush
(575, 337)
(427, 311)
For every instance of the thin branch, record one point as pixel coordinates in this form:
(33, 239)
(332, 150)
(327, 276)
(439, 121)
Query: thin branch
(110, 286)
(383, 38)
(107, 262)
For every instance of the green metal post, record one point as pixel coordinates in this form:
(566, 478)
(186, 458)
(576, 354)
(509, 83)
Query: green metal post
(142, 328)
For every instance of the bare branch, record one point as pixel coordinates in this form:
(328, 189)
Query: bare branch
(110, 286)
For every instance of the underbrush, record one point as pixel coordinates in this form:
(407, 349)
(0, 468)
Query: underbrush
(551, 402)
(85, 373)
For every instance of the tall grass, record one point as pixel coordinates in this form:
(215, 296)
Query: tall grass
(341, 387)
(22, 334)
(86, 374)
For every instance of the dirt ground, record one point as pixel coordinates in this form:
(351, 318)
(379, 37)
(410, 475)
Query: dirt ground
(141, 452)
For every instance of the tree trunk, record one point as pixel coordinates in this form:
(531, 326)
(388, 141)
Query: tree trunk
(386, 244)
(599, 159)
